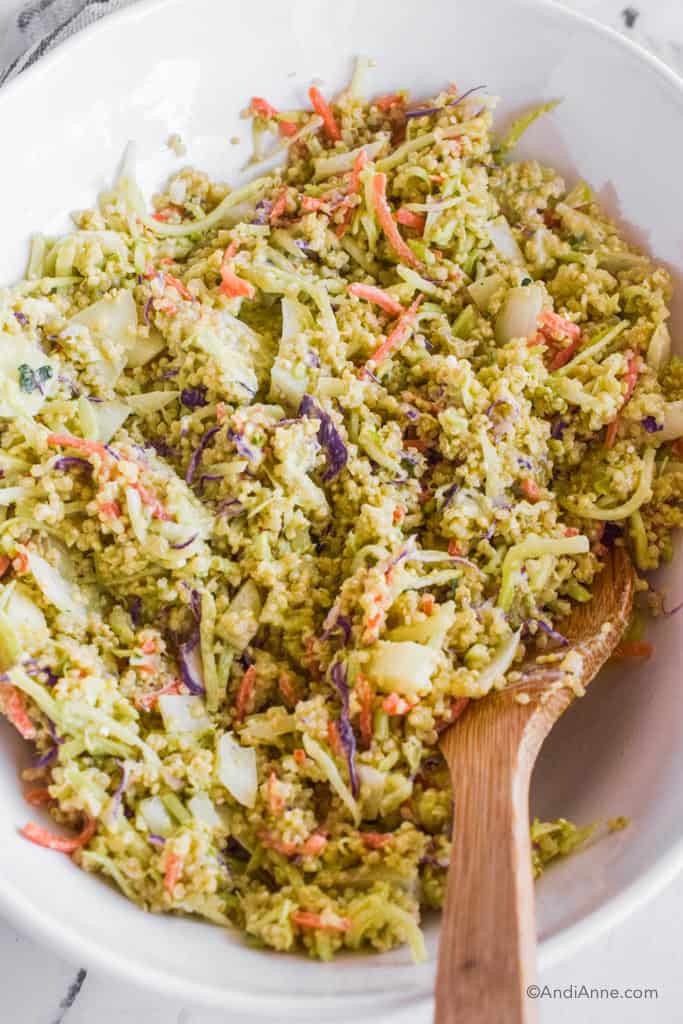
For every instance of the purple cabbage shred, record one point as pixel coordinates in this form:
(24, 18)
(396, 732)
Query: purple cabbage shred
(610, 533)
(425, 111)
(551, 633)
(651, 425)
(196, 604)
(195, 397)
(328, 437)
(120, 789)
(450, 494)
(165, 451)
(45, 759)
(197, 454)
(230, 507)
(346, 733)
(184, 652)
(241, 445)
(135, 610)
(49, 678)
(262, 212)
(207, 478)
(558, 428)
(72, 462)
(185, 543)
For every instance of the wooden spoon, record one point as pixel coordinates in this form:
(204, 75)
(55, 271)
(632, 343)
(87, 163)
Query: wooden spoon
(487, 952)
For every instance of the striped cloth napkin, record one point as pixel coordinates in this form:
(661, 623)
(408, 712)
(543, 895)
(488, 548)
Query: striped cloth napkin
(36, 27)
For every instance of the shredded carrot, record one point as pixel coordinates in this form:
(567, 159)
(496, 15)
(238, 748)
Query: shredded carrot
(375, 840)
(454, 548)
(411, 219)
(334, 739)
(530, 489)
(149, 498)
(571, 531)
(314, 845)
(311, 204)
(306, 919)
(20, 563)
(165, 215)
(398, 514)
(366, 698)
(182, 290)
(245, 693)
(378, 296)
(563, 355)
(611, 433)
(110, 509)
(220, 411)
(358, 164)
(458, 707)
(37, 797)
(633, 368)
(353, 190)
(279, 206)
(148, 700)
(311, 847)
(299, 755)
(387, 222)
(399, 334)
(231, 284)
(43, 837)
(148, 646)
(262, 108)
(276, 801)
(174, 869)
(427, 604)
(287, 689)
(4, 565)
(374, 621)
(14, 704)
(559, 325)
(79, 443)
(634, 649)
(392, 99)
(394, 704)
(323, 109)
(418, 443)
(287, 128)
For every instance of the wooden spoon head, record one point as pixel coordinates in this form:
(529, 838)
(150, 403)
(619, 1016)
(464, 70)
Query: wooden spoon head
(593, 631)
(486, 958)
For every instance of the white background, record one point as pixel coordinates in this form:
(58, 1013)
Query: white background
(38, 987)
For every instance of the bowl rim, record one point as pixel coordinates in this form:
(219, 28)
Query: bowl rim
(65, 941)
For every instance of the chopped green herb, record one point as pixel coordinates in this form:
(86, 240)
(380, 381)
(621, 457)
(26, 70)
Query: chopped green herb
(30, 379)
(27, 380)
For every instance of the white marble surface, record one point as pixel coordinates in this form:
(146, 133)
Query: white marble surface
(39, 987)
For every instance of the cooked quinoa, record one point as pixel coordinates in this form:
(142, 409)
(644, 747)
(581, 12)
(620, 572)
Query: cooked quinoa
(289, 474)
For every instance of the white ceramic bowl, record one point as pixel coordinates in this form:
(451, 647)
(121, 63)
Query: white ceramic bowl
(174, 66)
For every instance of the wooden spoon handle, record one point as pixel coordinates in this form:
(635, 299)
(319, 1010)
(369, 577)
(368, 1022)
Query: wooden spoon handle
(487, 948)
